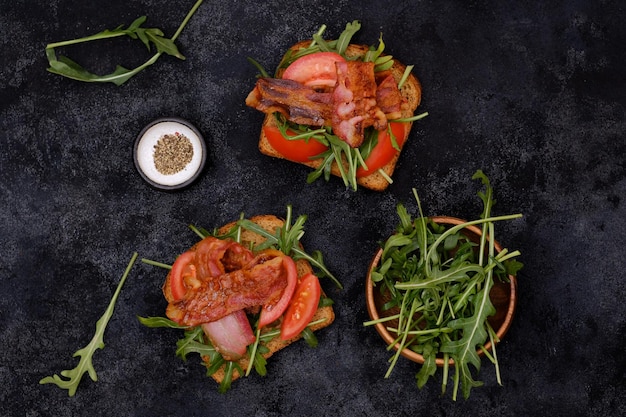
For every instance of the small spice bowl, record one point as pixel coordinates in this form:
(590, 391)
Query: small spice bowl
(503, 297)
(170, 153)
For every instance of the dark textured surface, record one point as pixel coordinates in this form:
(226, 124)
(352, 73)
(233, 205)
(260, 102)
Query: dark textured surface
(533, 93)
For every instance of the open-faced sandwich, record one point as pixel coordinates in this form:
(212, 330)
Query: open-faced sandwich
(243, 292)
(340, 108)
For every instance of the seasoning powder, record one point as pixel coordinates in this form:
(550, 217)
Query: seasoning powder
(172, 153)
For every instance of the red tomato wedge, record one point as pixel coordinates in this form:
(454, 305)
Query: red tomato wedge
(314, 70)
(272, 312)
(384, 150)
(302, 307)
(181, 269)
(297, 150)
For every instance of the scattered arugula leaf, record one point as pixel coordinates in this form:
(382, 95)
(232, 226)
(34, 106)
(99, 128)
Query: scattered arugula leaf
(85, 364)
(66, 67)
(439, 280)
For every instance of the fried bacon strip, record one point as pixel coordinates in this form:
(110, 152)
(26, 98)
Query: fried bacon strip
(228, 279)
(388, 96)
(215, 257)
(298, 103)
(354, 102)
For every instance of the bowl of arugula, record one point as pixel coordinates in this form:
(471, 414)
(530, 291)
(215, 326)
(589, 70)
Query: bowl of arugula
(442, 292)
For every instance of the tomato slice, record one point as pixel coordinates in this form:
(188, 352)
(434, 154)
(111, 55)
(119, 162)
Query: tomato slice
(384, 150)
(314, 70)
(297, 150)
(302, 307)
(182, 269)
(272, 312)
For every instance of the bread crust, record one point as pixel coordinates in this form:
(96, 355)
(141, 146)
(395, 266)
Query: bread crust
(411, 91)
(269, 223)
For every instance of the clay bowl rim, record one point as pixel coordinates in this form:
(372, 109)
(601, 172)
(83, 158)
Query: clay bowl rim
(408, 353)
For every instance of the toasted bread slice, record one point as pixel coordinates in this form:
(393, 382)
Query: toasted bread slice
(327, 314)
(411, 90)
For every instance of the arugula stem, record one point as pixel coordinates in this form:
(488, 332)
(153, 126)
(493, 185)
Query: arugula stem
(197, 231)
(255, 345)
(186, 19)
(381, 320)
(446, 369)
(155, 263)
(86, 39)
(411, 119)
(404, 337)
(383, 174)
(422, 332)
(442, 310)
(492, 338)
(273, 333)
(455, 389)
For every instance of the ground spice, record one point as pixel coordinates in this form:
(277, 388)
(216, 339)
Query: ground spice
(172, 153)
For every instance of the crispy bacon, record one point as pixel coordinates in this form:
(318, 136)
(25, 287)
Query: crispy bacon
(359, 100)
(354, 102)
(298, 103)
(215, 257)
(229, 279)
(388, 96)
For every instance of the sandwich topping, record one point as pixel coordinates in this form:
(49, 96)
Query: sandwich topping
(222, 277)
(346, 100)
(354, 102)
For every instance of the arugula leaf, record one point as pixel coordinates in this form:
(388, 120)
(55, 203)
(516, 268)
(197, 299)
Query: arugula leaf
(195, 342)
(262, 72)
(346, 36)
(229, 370)
(68, 68)
(474, 334)
(429, 368)
(85, 365)
(309, 337)
(155, 322)
(348, 160)
(259, 361)
(287, 240)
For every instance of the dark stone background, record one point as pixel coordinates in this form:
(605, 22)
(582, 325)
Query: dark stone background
(533, 93)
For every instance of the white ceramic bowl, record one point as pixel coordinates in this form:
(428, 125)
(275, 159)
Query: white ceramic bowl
(144, 154)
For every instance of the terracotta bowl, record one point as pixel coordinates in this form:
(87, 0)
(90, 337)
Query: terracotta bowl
(503, 296)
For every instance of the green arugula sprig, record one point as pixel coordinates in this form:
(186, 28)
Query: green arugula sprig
(85, 365)
(66, 67)
(439, 281)
(287, 240)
